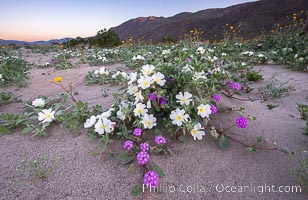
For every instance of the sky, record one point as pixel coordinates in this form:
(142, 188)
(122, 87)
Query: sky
(32, 20)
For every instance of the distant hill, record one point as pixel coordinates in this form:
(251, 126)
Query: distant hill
(254, 17)
(21, 43)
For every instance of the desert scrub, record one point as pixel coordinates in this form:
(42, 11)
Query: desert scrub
(302, 173)
(13, 71)
(7, 98)
(253, 76)
(274, 88)
(10, 122)
(105, 76)
(303, 110)
(36, 169)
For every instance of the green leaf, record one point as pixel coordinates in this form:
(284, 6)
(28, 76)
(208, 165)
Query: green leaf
(123, 156)
(158, 170)
(128, 160)
(223, 142)
(182, 138)
(136, 190)
(158, 132)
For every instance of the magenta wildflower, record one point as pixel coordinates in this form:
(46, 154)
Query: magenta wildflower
(170, 79)
(144, 146)
(128, 145)
(241, 122)
(151, 179)
(160, 139)
(216, 97)
(152, 96)
(163, 101)
(213, 109)
(235, 85)
(142, 157)
(189, 59)
(137, 132)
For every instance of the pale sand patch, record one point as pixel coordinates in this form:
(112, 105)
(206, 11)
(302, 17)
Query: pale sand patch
(82, 176)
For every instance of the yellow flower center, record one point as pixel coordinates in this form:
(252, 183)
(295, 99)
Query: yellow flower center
(148, 71)
(139, 111)
(145, 83)
(103, 126)
(47, 116)
(184, 100)
(148, 122)
(179, 117)
(201, 110)
(194, 131)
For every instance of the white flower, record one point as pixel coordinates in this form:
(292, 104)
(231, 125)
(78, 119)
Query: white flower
(39, 102)
(132, 77)
(121, 115)
(184, 99)
(147, 69)
(103, 71)
(178, 117)
(105, 114)
(187, 68)
(103, 125)
(164, 52)
(196, 132)
(46, 116)
(159, 78)
(116, 74)
(138, 57)
(199, 75)
(138, 97)
(148, 121)
(132, 89)
(90, 122)
(204, 110)
(223, 54)
(201, 50)
(145, 82)
(140, 110)
(0, 76)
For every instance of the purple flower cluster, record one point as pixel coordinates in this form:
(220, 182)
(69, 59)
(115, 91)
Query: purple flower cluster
(163, 101)
(137, 132)
(128, 145)
(189, 59)
(160, 140)
(216, 97)
(235, 85)
(241, 122)
(213, 109)
(142, 157)
(170, 79)
(144, 146)
(151, 179)
(56, 61)
(152, 96)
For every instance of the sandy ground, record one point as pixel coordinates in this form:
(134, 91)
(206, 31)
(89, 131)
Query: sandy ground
(80, 175)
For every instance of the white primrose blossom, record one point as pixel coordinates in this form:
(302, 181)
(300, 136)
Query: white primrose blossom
(147, 69)
(204, 110)
(103, 126)
(178, 116)
(90, 122)
(197, 132)
(145, 82)
(39, 102)
(46, 116)
(148, 121)
(159, 78)
(140, 110)
(184, 99)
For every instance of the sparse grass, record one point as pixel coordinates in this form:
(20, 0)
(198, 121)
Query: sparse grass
(7, 98)
(274, 88)
(303, 110)
(37, 169)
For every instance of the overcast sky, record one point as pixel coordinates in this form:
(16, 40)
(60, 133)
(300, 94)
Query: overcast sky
(33, 20)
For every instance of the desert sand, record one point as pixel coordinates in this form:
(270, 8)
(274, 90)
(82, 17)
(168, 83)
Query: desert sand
(80, 175)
